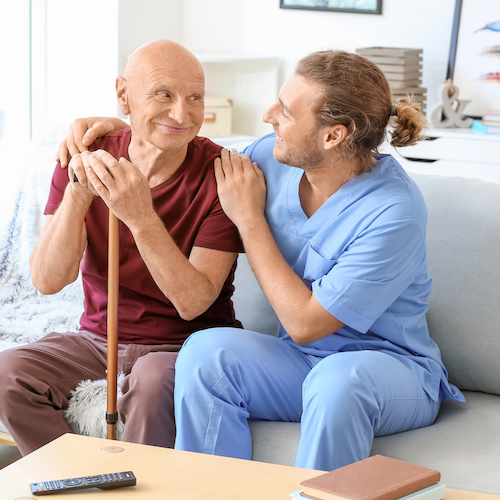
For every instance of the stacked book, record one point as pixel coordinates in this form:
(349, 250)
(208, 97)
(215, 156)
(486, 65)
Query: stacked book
(402, 68)
(490, 123)
(375, 478)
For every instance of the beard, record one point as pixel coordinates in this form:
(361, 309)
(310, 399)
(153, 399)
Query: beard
(304, 154)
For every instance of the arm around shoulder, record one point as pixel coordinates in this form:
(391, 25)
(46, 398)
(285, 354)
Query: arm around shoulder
(83, 132)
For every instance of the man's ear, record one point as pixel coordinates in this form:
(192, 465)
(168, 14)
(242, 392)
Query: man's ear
(122, 95)
(334, 136)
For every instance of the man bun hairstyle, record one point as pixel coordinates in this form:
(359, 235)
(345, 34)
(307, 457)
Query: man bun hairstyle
(408, 123)
(358, 96)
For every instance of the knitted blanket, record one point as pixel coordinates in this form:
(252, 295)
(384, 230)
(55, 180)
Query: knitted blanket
(26, 314)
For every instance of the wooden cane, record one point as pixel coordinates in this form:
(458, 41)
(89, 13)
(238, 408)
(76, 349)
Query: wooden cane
(112, 361)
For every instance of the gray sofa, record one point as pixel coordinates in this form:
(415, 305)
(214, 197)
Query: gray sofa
(464, 316)
(463, 241)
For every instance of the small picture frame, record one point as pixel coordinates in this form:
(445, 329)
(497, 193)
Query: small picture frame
(353, 6)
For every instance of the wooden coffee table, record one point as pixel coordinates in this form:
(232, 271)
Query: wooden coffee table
(161, 473)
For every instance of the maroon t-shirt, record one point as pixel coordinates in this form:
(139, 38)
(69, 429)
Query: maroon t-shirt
(189, 207)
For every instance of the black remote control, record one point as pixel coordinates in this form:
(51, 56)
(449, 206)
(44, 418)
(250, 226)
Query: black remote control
(103, 481)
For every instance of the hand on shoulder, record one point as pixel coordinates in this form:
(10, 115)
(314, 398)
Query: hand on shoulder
(83, 132)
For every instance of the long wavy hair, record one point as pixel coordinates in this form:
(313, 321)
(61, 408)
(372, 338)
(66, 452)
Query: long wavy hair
(357, 95)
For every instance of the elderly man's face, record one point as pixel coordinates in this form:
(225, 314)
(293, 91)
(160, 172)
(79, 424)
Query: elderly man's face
(166, 101)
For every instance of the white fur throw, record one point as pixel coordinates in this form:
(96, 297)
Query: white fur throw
(86, 413)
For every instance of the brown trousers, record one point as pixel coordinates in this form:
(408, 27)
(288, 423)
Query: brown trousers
(36, 381)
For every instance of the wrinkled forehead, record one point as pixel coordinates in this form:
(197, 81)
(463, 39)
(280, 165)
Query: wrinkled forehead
(160, 77)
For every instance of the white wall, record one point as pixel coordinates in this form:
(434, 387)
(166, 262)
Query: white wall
(80, 47)
(79, 68)
(81, 53)
(14, 71)
(141, 21)
(260, 26)
(14, 96)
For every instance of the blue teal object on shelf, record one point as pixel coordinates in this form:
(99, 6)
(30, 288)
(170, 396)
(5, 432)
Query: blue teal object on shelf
(480, 128)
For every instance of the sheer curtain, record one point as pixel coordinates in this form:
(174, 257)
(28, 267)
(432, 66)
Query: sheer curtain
(15, 95)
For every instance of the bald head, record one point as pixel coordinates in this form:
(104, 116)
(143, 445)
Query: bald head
(162, 90)
(167, 55)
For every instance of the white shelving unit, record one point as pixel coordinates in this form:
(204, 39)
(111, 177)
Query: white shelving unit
(250, 81)
(453, 152)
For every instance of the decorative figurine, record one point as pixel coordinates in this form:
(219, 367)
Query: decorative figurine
(449, 113)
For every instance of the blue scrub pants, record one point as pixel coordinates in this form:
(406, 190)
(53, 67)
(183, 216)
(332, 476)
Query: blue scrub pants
(224, 376)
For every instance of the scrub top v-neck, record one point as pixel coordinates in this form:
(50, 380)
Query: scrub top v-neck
(363, 255)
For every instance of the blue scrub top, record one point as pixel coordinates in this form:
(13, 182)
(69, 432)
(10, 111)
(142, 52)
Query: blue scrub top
(363, 255)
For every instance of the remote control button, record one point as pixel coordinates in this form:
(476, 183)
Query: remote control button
(72, 482)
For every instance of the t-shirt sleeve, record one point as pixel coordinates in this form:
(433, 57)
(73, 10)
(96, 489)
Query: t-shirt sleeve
(371, 274)
(59, 182)
(218, 232)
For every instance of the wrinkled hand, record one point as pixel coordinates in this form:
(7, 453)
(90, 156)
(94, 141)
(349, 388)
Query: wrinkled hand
(241, 186)
(83, 191)
(78, 167)
(83, 132)
(122, 186)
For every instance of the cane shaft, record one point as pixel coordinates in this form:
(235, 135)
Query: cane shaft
(113, 266)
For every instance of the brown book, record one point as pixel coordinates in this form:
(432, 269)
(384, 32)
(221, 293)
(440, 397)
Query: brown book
(389, 52)
(397, 68)
(374, 478)
(396, 85)
(395, 60)
(403, 77)
(409, 90)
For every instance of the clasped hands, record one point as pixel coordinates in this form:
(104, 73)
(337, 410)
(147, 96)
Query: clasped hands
(119, 183)
(241, 187)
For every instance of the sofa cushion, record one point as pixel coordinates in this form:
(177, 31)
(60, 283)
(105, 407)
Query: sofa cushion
(250, 304)
(463, 241)
(463, 444)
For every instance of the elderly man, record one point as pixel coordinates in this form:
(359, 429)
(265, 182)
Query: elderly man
(177, 257)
